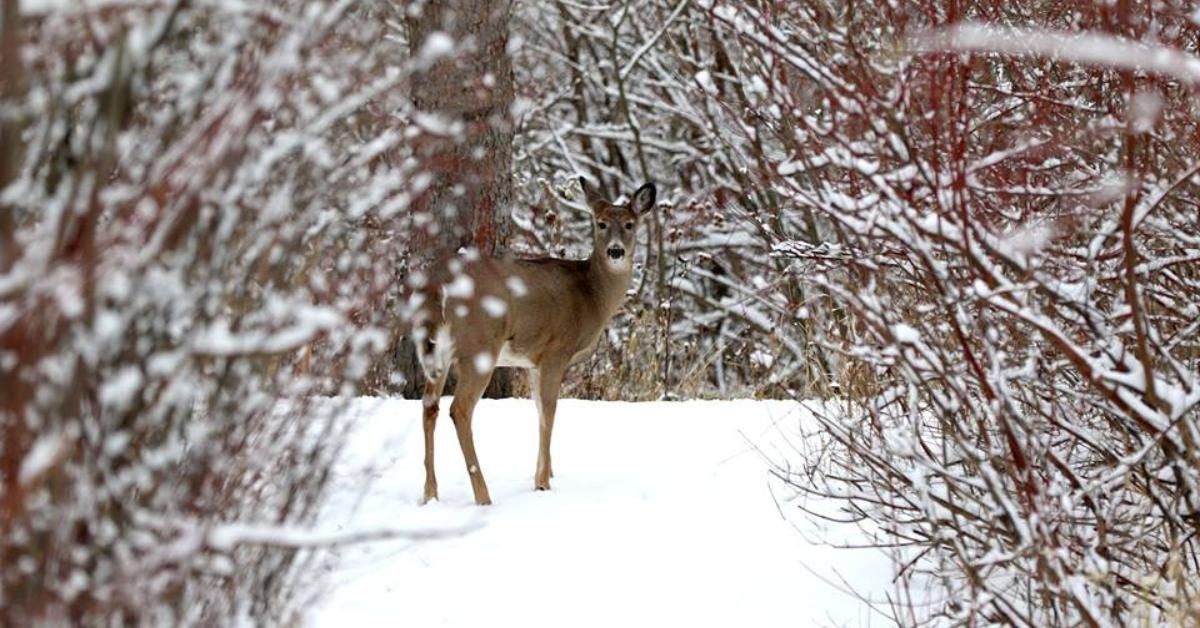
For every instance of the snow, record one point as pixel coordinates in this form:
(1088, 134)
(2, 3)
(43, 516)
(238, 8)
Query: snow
(436, 46)
(494, 306)
(1089, 48)
(483, 362)
(119, 391)
(1145, 109)
(45, 7)
(906, 334)
(516, 286)
(41, 457)
(227, 536)
(1026, 240)
(463, 287)
(660, 514)
(220, 340)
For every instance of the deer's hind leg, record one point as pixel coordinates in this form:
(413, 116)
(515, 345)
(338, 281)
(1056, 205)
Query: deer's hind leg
(474, 373)
(429, 401)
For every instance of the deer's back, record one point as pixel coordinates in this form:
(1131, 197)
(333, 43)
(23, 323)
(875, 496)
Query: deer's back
(553, 309)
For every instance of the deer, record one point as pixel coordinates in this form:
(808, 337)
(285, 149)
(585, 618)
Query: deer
(543, 314)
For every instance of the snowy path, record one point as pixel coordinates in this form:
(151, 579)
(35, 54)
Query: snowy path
(660, 514)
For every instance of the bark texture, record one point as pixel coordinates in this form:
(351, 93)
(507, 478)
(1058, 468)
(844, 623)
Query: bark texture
(469, 93)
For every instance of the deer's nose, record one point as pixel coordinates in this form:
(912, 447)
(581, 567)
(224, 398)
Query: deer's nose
(616, 252)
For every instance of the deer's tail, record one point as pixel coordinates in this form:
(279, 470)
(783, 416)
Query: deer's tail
(431, 331)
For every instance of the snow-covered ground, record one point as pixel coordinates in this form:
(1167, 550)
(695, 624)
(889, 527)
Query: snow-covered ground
(660, 514)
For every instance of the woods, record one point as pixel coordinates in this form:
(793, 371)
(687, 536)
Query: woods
(967, 228)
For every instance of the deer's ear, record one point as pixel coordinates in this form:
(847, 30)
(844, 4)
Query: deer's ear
(643, 198)
(589, 193)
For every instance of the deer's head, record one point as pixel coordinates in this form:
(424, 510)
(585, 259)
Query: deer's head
(615, 226)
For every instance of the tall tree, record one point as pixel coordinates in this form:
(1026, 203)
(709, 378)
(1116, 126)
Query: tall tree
(463, 96)
(466, 93)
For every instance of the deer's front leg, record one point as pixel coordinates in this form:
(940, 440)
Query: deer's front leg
(547, 381)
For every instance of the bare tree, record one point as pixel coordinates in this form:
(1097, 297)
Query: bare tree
(1004, 264)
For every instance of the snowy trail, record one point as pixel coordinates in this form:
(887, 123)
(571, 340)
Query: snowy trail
(660, 514)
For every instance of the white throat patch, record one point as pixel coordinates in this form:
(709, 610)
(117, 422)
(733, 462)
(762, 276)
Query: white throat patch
(623, 265)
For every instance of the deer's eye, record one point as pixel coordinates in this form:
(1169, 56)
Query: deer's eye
(602, 226)
(629, 226)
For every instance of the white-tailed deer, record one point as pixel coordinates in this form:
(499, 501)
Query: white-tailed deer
(542, 314)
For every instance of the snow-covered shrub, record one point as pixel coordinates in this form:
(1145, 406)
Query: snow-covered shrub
(1004, 253)
(198, 208)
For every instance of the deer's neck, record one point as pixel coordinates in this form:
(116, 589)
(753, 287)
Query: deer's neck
(611, 283)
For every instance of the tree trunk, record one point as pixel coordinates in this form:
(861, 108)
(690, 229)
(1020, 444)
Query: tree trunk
(469, 92)
(11, 80)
